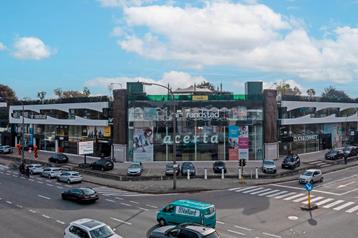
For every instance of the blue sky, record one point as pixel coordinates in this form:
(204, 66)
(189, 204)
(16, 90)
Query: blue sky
(71, 44)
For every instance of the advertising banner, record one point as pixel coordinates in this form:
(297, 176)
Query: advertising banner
(85, 147)
(143, 144)
(244, 142)
(233, 136)
(233, 154)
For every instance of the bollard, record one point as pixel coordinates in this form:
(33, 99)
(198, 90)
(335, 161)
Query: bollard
(239, 173)
(205, 174)
(251, 174)
(188, 174)
(257, 173)
(222, 174)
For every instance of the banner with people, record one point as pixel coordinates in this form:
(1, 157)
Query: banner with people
(244, 142)
(143, 149)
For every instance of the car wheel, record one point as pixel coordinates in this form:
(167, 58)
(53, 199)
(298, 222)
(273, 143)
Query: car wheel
(31, 172)
(63, 197)
(321, 179)
(102, 168)
(68, 181)
(162, 222)
(311, 182)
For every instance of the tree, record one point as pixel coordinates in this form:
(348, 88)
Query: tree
(284, 88)
(311, 92)
(72, 93)
(58, 92)
(334, 94)
(41, 95)
(7, 94)
(86, 92)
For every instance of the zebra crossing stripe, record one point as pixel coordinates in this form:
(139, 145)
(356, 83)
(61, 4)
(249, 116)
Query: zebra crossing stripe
(315, 162)
(276, 194)
(285, 195)
(294, 196)
(333, 204)
(326, 165)
(324, 201)
(269, 192)
(251, 190)
(243, 189)
(313, 200)
(232, 189)
(353, 209)
(260, 191)
(302, 199)
(343, 206)
(321, 164)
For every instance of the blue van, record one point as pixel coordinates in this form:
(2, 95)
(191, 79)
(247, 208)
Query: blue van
(187, 211)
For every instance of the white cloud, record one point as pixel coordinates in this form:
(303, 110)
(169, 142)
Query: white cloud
(2, 46)
(31, 48)
(117, 31)
(249, 36)
(175, 80)
(123, 3)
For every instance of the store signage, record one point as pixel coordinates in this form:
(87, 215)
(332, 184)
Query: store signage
(305, 138)
(203, 114)
(214, 139)
(200, 98)
(187, 211)
(85, 147)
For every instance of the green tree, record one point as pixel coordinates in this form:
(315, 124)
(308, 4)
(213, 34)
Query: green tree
(311, 92)
(284, 88)
(58, 92)
(7, 94)
(41, 95)
(86, 92)
(334, 94)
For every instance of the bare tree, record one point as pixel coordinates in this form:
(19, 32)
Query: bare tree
(41, 95)
(311, 92)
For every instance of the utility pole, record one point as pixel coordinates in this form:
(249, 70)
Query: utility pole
(23, 134)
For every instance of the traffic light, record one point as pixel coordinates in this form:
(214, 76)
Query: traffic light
(243, 162)
(240, 162)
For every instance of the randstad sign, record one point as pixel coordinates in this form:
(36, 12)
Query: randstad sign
(213, 139)
(203, 114)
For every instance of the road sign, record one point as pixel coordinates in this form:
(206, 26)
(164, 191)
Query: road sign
(309, 187)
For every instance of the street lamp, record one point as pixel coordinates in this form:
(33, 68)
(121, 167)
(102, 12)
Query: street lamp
(174, 129)
(23, 134)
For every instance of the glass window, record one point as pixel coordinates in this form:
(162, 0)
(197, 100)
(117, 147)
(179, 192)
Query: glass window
(101, 232)
(187, 234)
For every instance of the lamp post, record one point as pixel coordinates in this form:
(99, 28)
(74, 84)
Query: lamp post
(22, 134)
(174, 130)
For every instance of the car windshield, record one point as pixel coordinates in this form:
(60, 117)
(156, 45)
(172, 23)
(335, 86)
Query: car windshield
(75, 174)
(308, 173)
(88, 191)
(134, 166)
(289, 159)
(188, 165)
(101, 232)
(169, 166)
(269, 162)
(212, 235)
(219, 163)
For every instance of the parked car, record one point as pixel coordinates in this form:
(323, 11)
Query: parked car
(5, 149)
(311, 176)
(291, 162)
(184, 230)
(89, 228)
(35, 168)
(218, 166)
(135, 169)
(169, 169)
(350, 150)
(269, 166)
(334, 154)
(51, 172)
(188, 166)
(102, 164)
(80, 195)
(58, 158)
(70, 177)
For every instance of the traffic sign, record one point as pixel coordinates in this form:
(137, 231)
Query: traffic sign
(309, 187)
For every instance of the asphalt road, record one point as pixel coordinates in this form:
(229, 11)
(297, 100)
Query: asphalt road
(33, 208)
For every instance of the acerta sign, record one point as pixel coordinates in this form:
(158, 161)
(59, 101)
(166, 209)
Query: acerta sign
(186, 139)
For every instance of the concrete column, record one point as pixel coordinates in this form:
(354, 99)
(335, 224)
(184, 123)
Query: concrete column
(205, 173)
(56, 145)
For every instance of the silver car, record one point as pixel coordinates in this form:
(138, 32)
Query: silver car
(135, 169)
(269, 166)
(51, 172)
(5, 149)
(311, 176)
(70, 177)
(35, 168)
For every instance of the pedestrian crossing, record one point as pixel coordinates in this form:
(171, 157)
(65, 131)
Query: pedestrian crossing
(112, 192)
(298, 197)
(319, 163)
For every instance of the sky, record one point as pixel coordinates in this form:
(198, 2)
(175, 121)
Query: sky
(102, 44)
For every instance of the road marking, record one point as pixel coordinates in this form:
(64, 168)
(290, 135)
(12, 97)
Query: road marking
(31, 180)
(285, 195)
(14, 175)
(59, 187)
(61, 222)
(22, 177)
(294, 196)
(220, 222)
(324, 201)
(121, 221)
(32, 211)
(148, 205)
(8, 202)
(325, 165)
(243, 228)
(353, 209)
(45, 216)
(276, 194)
(49, 185)
(134, 202)
(118, 198)
(237, 232)
(19, 206)
(265, 190)
(145, 209)
(41, 196)
(252, 190)
(269, 192)
(302, 189)
(269, 234)
(343, 206)
(301, 199)
(333, 204)
(109, 200)
(314, 200)
(39, 182)
(68, 186)
(239, 189)
(126, 204)
(345, 185)
(292, 218)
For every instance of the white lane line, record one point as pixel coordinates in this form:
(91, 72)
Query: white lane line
(243, 228)
(324, 201)
(261, 191)
(19, 206)
(31, 180)
(121, 221)
(333, 204)
(49, 185)
(252, 190)
(68, 186)
(239, 189)
(302, 199)
(343, 206)
(32, 211)
(126, 204)
(109, 200)
(22, 177)
(14, 175)
(314, 200)
(285, 195)
(294, 196)
(145, 209)
(8, 202)
(345, 185)
(58, 183)
(59, 187)
(45, 216)
(272, 235)
(44, 197)
(61, 222)
(353, 209)
(40, 182)
(237, 232)
(302, 189)
(276, 194)
(148, 205)
(118, 198)
(0, 199)
(220, 222)
(269, 192)
(134, 202)
(315, 162)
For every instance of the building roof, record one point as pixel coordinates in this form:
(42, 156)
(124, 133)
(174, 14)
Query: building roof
(193, 89)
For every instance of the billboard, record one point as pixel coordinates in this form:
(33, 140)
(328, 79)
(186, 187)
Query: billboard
(244, 142)
(85, 147)
(143, 144)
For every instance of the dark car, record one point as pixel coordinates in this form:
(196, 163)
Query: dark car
(58, 158)
(218, 166)
(80, 195)
(334, 154)
(184, 230)
(188, 166)
(291, 162)
(169, 169)
(102, 164)
(350, 150)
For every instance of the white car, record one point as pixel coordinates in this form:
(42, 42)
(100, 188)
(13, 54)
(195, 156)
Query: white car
(70, 177)
(51, 172)
(5, 149)
(311, 176)
(89, 228)
(35, 168)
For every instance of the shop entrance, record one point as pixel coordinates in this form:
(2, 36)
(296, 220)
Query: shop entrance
(325, 141)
